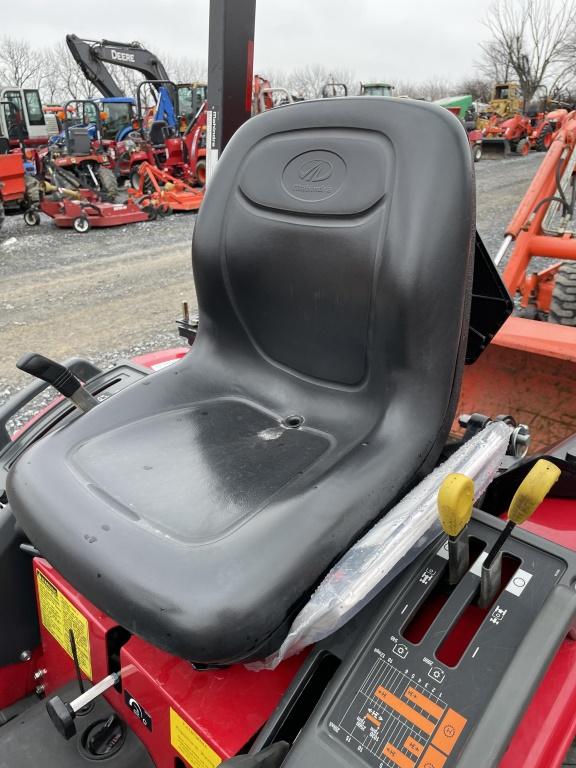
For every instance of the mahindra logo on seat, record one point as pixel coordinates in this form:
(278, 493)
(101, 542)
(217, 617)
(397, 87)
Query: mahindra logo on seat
(315, 170)
(119, 56)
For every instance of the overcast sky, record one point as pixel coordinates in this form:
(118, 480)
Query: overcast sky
(377, 39)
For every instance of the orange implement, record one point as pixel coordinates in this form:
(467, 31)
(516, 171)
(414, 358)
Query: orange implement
(529, 369)
(166, 193)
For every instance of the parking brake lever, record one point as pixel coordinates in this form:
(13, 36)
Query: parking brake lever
(58, 376)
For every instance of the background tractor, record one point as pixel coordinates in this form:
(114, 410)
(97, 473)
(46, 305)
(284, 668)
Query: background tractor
(77, 157)
(23, 120)
(376, 89)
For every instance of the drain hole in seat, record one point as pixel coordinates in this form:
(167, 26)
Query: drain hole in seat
(293, 422)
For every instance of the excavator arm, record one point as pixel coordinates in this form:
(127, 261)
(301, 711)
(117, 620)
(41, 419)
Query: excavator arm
(92, 57)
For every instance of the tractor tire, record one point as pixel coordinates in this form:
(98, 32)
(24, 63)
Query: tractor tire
(563, 304)
(523, 148)
(545, 139)
(66, 179)
(1, 213)
(201, 173)
(477, 153)
(32, 190)
(108, 183)
(135, 177)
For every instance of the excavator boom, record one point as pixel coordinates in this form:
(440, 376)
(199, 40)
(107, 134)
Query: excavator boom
(93, 55)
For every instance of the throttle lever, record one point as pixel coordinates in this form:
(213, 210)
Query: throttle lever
(58, 376)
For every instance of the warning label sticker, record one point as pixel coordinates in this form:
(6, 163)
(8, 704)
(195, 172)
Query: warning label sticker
(59, 616)
(189, 745)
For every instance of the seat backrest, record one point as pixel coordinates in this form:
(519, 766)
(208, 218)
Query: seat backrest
(335, 243)
(158, 132)
(79, 140)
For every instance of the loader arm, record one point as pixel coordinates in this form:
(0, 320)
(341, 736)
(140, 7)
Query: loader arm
(92, 57)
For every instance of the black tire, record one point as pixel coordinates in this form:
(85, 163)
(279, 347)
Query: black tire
(81, 224)
(477, 152)
(32, 190)
(135, 177)
(1, 213)
(563, 304)
(543, 139)
(523, 148)
(108, 183)
(201, 174)
(31, 218)
(66, 179)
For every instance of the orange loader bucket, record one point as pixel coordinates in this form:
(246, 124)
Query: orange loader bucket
(529, 372)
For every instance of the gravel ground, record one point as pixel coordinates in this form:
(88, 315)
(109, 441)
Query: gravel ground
(105, 295)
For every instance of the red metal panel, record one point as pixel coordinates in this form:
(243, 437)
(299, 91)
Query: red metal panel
(225, 707)
(56, 661)
(12, 185)
(160, 358)
(548, 726)
(16, 680)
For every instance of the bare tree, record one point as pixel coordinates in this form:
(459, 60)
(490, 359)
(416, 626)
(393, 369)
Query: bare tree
(308, 82)
(429, 90)
(478, 87)
(531, 40)
(19, 63)
(185, 70)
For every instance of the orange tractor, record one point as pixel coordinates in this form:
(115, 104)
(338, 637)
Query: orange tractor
(530, 364)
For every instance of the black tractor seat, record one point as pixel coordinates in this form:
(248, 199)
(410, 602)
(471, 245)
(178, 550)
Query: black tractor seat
(159, 133)
(333, 261)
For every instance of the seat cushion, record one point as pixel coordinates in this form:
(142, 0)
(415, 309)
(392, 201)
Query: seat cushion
(224, 460)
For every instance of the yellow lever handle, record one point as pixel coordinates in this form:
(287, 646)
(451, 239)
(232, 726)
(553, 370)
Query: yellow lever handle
(455, 499)
(532, 490)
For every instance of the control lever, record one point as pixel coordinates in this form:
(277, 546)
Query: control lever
(60, 377)
(528, 497)
(455, 499)
(64, 714)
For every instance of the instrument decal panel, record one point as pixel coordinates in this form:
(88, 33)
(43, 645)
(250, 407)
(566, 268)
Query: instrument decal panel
(397, 720)
(423, 681)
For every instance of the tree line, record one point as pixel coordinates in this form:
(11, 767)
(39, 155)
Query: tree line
(532, 42)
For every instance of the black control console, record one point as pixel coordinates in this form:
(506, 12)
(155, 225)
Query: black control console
(438, 681)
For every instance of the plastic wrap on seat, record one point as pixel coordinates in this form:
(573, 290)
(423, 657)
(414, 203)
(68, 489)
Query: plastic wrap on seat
(390, 546)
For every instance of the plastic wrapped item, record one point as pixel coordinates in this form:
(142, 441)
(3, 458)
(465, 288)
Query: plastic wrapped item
(391, 545)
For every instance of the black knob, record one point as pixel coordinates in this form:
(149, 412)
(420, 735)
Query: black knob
(62, 715)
